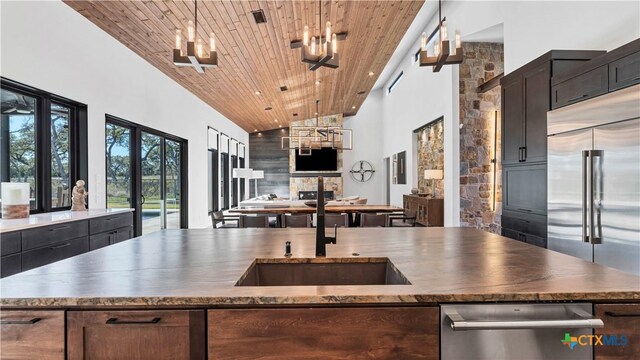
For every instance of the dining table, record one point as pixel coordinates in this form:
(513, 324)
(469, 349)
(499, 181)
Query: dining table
(280, 210)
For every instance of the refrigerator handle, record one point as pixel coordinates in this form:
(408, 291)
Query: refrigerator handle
(594, 210)
(585, 189)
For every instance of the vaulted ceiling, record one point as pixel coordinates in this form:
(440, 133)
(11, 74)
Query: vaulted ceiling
(257, 57)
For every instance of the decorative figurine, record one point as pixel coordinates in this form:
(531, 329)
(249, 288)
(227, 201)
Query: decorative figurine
(79, 197)
(414, 190)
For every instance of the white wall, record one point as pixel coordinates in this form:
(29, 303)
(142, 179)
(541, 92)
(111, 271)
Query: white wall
(50, 46)
(531, 28)
(367, 140)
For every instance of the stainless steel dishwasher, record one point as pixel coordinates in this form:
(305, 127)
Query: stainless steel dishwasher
(516, 331)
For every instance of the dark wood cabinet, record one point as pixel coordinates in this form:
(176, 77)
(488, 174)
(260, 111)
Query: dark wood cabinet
(624, 72)
(108, 223)
(525, 189)
(582, 87)
(54, 252)
(100, 240)
(136, 334)
(619, 320)
(11, 243)
(512, 109)
(32, 334)
(10, 264)
(536, 104)
(48, 235)
(325, 333)
(429, 211)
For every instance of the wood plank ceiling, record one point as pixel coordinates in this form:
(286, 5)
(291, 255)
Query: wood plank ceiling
(257, 57)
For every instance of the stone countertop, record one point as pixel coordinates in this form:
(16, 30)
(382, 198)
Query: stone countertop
(201, 267)
(55, 217)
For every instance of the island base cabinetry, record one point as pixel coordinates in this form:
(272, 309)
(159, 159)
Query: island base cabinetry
(32, 334)
(324, 333)
(619, 320)
(144, 334)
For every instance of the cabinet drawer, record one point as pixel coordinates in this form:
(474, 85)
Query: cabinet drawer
(54, 252)
(11, 243)
(525, 225)
(122, 234)
(48, 235)
(624, 72)
(141, 334)
(511, 234)
(619, 319)
(325, 333)
(32, 334)
(525, 189)
(535, 240)
(99, 240)
(10, 264)
(112, 222)
(581, 87)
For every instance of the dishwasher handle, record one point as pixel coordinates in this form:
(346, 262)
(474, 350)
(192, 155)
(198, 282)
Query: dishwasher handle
(585, 322)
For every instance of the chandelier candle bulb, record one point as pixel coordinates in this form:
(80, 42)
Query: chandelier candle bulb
(212, 42)
(436, 49)
(328, 32)
(199, 48)
(423, 42)
(444, 31)
(190, 31)
(458, 42)
(305, 36)
(178, 39)
(313, 45)
(334, 44)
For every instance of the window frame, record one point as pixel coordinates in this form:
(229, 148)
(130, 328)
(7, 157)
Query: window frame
(395, 82)
(78, 142)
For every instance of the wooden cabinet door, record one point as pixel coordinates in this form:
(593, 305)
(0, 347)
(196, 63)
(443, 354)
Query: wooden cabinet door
(581, 87)
(525, 189)
(512, 121)
(122, 234)
(624, 72)
(619, 319)
(32, 334)
(325, 333)
(537, 88)
(140, 334)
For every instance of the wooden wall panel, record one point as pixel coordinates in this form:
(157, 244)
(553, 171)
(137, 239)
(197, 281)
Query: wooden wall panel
(266, 154)
(257, 57)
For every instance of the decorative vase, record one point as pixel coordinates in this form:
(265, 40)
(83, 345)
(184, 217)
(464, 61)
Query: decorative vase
(15, 200)
(414, 190)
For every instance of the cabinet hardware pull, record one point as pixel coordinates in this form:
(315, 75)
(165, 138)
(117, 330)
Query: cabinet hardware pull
(636, 78)
(20, 322)
(585, 322)
(60, 246)
(527, 210)
(114, 321)
(577, 98)
(615, 314)
(60, 228)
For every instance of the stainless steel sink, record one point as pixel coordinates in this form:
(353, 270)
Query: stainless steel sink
(322, 271)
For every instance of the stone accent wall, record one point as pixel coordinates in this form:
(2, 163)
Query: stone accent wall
(482, 61)
(431, 156)
(311, 183)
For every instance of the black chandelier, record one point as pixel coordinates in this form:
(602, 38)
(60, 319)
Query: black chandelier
(321, 50)
(195, 50)
(442, 50)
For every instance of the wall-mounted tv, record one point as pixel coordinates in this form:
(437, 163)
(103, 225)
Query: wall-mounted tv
(323, 159)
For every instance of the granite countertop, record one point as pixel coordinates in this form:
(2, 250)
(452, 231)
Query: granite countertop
(55, 217)
(201, 267)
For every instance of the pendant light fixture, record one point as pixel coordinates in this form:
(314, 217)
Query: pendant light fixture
(195, 49)
(441, 49)
(320, 50)
(304, 139)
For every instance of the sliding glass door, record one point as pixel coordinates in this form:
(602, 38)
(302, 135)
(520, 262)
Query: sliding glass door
(146, 170)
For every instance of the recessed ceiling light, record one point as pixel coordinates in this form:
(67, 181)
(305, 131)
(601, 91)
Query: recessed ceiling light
(276, 120)
(317, 82)
(255, 130)
(258, 92)
(353, 107)
(370, 73)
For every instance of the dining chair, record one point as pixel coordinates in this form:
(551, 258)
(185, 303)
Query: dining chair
(339, 220)
(221, 221)
(258, 221)
(408, 219)
(296, 221)
(374, 220)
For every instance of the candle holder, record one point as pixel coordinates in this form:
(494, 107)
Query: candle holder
(15, 200)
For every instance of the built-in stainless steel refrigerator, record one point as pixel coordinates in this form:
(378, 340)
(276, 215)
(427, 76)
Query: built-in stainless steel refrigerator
(594, 179)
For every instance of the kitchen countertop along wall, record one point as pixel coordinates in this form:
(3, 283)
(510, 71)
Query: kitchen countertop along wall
(57, 217)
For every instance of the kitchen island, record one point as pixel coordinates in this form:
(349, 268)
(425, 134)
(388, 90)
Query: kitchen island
(173, 278)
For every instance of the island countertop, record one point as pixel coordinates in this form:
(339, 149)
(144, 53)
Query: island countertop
(201, 267)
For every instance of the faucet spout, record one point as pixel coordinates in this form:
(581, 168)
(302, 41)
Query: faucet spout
(321, 239)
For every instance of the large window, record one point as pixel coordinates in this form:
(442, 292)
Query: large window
(43, 142)
(213, 139)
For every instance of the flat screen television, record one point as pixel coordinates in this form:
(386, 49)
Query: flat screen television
(323, 159)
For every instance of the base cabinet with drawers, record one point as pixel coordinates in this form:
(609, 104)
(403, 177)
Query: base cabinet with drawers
(428, 211)
(31, 248)
(411, 332)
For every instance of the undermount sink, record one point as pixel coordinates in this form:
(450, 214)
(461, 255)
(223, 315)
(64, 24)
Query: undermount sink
(322, 271)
